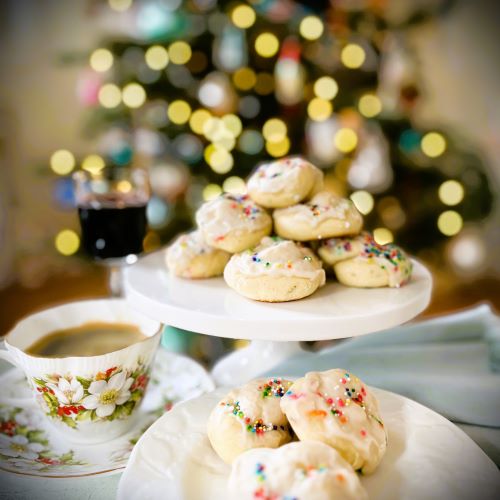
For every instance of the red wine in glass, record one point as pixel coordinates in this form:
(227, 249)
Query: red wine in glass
(113, 229)
(112, 211)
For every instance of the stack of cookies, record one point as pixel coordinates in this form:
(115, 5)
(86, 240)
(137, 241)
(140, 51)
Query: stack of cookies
(234, 238)
(303, 439)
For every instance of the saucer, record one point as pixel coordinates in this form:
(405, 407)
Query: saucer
(29, 445)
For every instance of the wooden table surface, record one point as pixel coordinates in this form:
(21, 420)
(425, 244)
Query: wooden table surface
(17, 301)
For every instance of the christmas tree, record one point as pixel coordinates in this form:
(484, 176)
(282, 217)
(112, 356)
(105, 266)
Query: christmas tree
(199, 92)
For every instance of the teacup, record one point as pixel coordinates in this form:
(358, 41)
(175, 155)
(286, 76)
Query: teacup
(72, 391)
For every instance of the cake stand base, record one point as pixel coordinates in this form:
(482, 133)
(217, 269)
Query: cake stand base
(259, 357)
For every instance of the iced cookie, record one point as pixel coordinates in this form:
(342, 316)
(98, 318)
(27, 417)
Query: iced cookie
(337, 408)
(233, 223)
(190, 257)
(249, 417)
(361, 262)
(276, 271)
(324, 216)
(307, 470)
(284, 182)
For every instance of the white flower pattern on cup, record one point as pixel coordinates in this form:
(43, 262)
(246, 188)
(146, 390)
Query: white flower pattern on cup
(105, 396)
(19, 446)
(67, 392)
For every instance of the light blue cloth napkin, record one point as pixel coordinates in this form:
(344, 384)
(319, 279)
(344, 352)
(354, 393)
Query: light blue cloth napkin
(446, 363)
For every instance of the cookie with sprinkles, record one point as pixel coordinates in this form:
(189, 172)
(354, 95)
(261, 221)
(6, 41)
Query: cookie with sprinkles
(249, 417)
(305, 470)
(233, 222)
(362, 262)
(275, 271)
(190, 257)
(338, 409)
(284, 182)
(324, 216)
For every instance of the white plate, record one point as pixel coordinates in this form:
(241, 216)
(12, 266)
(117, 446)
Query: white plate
(174, 378)
(211, 307)
(427, 458)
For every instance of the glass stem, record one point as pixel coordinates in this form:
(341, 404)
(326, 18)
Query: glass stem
(116, 281)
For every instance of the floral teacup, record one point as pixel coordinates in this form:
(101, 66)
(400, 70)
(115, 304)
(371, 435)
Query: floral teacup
(89, 399)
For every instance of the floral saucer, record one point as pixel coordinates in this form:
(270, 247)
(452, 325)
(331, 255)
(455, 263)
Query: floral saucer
(29, 445)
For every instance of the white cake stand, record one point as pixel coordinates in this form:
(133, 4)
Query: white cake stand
(212, 308)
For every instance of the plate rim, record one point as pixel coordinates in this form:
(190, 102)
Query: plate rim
(120, 495)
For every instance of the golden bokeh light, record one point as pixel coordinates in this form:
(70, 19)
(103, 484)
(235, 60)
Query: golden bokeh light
(67, 242)
(345, 140)
(124, 186)
(101, 60)
(234, 185)
(93, 164)
(383, 236)
(179, 52)
(450, 222)
(211, 191)
(311, 27)
(264, 84)
(244, 78)
(62, 162)
(198, 120)
(243, 16)
(363, 201)
(220, 159)
(451, 192)
(326, 88)
(433, 144)
(369, 105)
(319, 109)
(156, 57)
(179, 112)
(278, 149)
(109, 95)
(266, 45)
(133, 95)
(224, 139)
(274, 130)
(213, 127)
(233, 124)
(120, 5)
(352, 56)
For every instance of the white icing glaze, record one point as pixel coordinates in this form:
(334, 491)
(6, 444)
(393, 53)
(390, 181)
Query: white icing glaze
(229, 213)
(278, 175)
(256, 401)
(336, 406)
(306, 470)
(249, 417)
(188, 246)
(277, 257)
(388, 257)
(321, 207)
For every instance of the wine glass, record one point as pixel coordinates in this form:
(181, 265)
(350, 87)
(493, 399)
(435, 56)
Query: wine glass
(112, 210)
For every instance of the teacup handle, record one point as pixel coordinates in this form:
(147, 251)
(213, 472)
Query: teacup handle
(7, 356)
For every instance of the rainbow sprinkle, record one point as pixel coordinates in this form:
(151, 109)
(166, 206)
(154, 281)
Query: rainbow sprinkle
(243, 202)
(257, 426)
(273, 387)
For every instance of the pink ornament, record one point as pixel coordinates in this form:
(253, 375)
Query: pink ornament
(87, 88)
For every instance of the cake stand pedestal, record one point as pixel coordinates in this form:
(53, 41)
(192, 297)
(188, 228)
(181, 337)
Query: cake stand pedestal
(210, 307)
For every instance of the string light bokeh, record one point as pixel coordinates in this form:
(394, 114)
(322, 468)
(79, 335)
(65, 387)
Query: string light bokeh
(202, 91)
